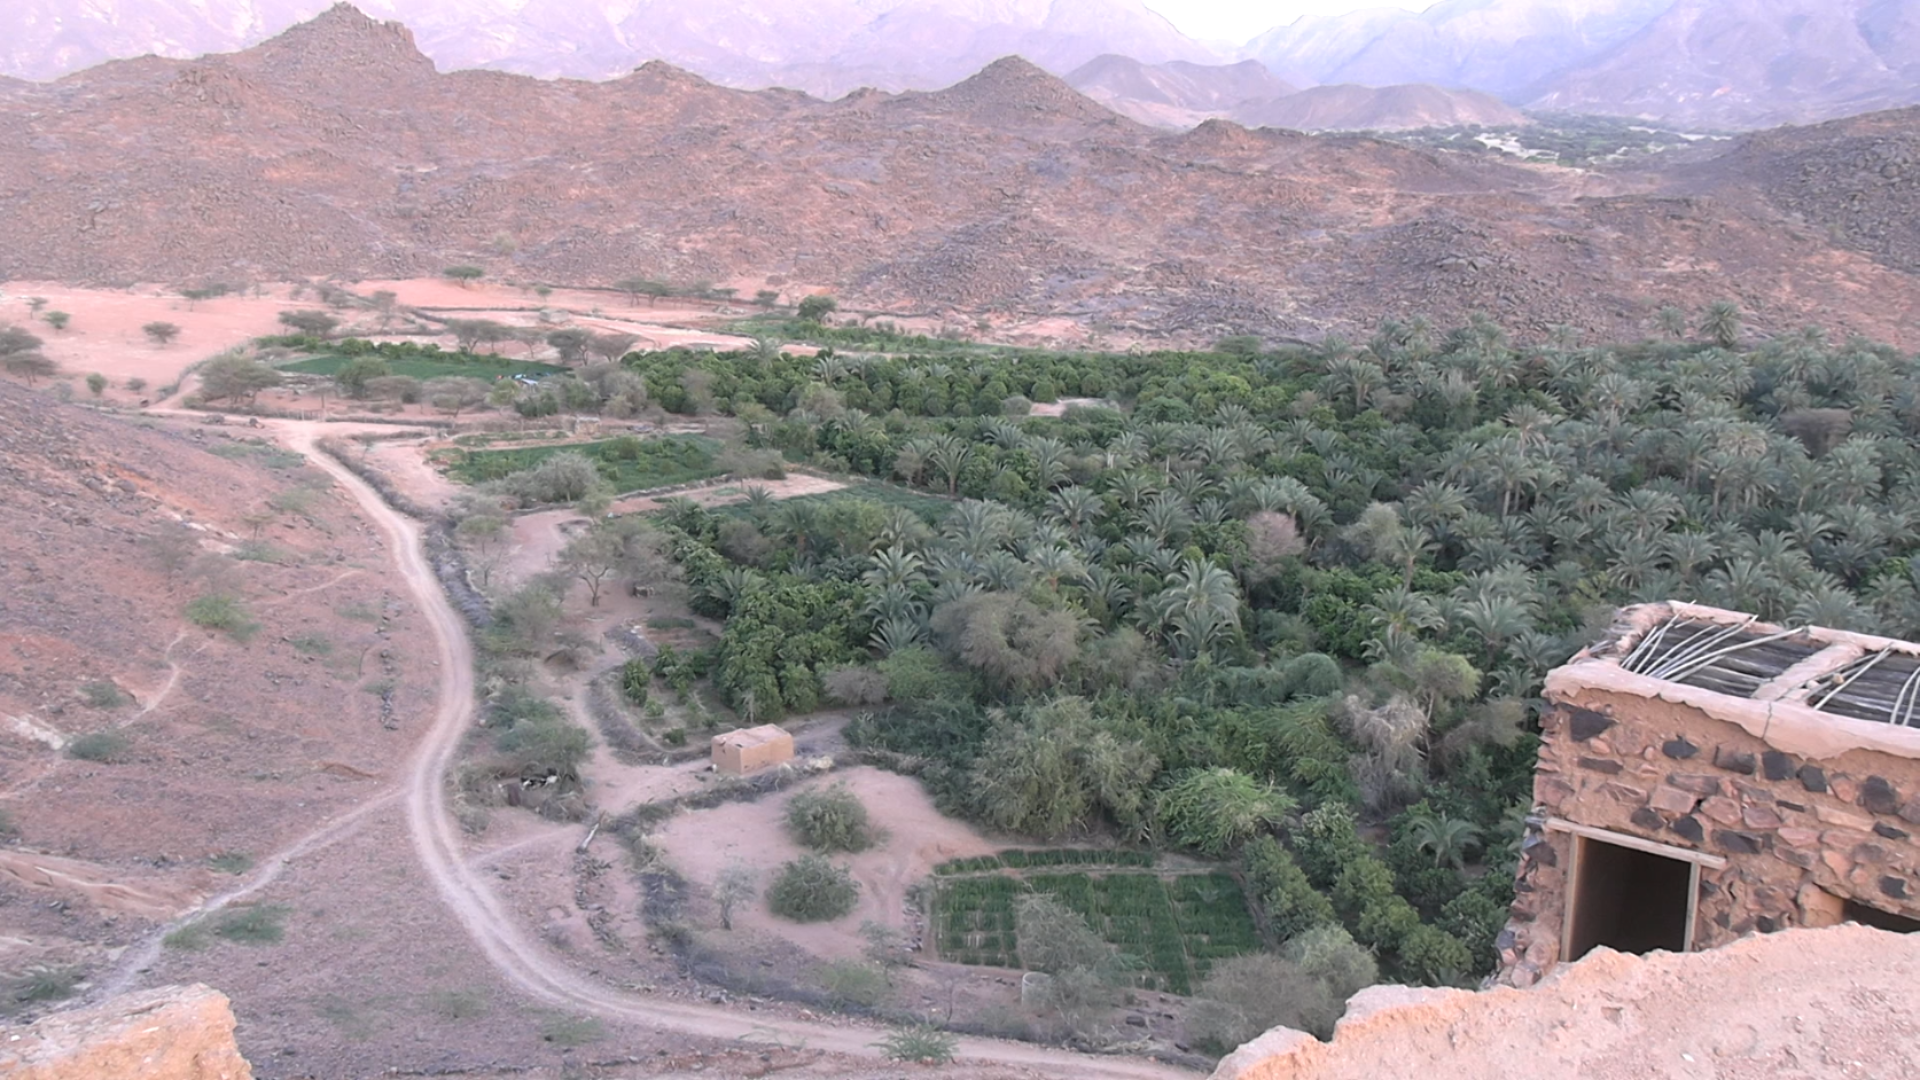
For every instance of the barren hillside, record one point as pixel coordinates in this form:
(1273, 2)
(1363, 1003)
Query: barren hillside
(200, 663)
(337, 149)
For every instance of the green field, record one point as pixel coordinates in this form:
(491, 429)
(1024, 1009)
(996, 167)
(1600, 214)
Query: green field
(628, 463)
(473, 367)
(1177, 926)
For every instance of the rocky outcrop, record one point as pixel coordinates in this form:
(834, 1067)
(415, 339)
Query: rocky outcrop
(172, 1033)
(1810, 1004)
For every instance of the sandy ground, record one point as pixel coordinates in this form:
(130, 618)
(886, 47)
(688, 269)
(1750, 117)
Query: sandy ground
(105, 334)
(1835, 1004)
(917, 837)
(1060, 407)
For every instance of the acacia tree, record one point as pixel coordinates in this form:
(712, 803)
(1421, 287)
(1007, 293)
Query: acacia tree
(454, 394)
(161, 333)
(310, 322)
(463, 276)
(612, 346)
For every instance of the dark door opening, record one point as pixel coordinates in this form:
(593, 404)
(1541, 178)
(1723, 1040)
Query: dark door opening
(1854, 911)
(1629, 900)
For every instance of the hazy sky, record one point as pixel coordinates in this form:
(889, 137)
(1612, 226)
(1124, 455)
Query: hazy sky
(1238, 20)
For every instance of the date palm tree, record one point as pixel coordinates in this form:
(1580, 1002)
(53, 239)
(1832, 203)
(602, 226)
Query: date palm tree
(1201, 605)
(1447, 839)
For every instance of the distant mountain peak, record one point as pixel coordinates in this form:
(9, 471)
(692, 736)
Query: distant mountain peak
(341, 42)
(1015, 83)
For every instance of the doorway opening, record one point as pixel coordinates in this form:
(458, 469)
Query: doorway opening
(1628, 899)
(1854, 911)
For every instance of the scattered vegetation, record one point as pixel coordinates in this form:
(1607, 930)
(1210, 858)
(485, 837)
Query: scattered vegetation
(564, 1030)
(261, 924)
(102, 694)
(232, 862)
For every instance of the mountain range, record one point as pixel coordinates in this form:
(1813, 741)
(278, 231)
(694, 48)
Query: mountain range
(1716, 63)
(338, 149)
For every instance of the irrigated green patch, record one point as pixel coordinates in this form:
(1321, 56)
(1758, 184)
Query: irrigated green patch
(474, 367)
(628, 463)
(1176, 926)
(929, 508)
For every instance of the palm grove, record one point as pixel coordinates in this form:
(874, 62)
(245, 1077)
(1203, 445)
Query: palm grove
(1287, 608)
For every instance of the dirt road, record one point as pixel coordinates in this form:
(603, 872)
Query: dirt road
(437, 842)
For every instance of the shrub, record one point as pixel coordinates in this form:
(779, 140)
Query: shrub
(218, 611)
(811, 889)
(1434, 957)
(312, 645)
(675, 736)
(1212, 810)
(1292, 904)
(545, 747)
(515, 705)
(102, 694)
(231, 862)
(45, 984)
(850, 982)
(635, 676)
(828, 820)
(105, 747)
(1313, 675)
(859, 685)
(571, 1030)
(262, 925)
(8, 830)
(921, 1043)
(190, 938)
(1244, 996)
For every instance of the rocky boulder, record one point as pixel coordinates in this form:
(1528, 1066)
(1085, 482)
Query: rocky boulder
(171, 1033)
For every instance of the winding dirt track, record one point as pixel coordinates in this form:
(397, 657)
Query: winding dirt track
(436, 840)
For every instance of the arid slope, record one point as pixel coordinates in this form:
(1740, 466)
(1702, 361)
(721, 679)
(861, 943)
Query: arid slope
(137, 746)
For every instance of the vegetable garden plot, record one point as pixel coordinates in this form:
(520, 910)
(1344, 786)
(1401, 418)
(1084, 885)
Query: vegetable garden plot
(1177, 927)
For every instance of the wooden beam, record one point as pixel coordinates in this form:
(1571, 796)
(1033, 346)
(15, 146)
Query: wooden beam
(1625, 840)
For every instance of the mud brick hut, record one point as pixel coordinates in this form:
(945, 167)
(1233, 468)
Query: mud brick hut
(1704, 776)
(747, 749)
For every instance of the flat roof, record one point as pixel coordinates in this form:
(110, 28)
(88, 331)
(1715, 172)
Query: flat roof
(1808, 690)
(753, 736)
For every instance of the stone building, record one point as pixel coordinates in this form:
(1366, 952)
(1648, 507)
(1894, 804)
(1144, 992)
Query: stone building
(1704, 776)
(747, 749)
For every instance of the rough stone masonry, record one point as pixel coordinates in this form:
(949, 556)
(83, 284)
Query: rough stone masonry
(1799, 807)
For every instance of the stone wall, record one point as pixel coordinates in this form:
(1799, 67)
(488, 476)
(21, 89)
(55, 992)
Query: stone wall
(172, 1033)
(1798, 834)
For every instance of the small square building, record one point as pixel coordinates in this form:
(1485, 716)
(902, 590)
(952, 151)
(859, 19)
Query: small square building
(1704, 775)
(747, 749)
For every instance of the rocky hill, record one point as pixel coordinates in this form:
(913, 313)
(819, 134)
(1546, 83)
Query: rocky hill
(1377, 108)
(826, 47)
(337, 149)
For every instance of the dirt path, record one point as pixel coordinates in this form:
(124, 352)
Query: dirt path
(520, 959)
